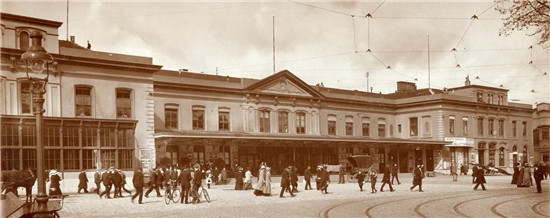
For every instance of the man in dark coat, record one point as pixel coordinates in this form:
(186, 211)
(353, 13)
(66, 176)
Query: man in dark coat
(285, 183)
(185, 180)
(515, 175)
(55, 187)
(198, 176)
(539, 176)
(239, 178)
(107, 179)
(418, 175)
(293, 179)
(138, 184)
(83, 182)
(479, 179)
(97, 181)
(123, 175)
(325, 180)
(341, 174)
(394, 174)
(117, 182)
(474, 170)
(386, 179)
(360, 178)
(307, 177)
(153, 183)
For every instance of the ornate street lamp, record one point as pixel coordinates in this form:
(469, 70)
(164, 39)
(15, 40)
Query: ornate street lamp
(38, 60)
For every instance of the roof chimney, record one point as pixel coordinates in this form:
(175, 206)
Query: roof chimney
(72, 39)
(405, 86)
(467, 82)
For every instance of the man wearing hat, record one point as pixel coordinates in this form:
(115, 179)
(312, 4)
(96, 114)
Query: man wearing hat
(325, 180)
(107, 178)
(293, 179)
(138, 184)
(285, 182)
(55, 188)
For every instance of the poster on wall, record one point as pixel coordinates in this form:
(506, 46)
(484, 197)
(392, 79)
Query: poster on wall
(438, 161)
(145, 157)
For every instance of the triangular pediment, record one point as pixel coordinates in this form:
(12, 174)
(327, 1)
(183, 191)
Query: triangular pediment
(284, 83)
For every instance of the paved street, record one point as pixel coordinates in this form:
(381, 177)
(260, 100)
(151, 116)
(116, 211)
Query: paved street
(441, 198)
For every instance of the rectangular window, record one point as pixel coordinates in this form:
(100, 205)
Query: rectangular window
(51, 136)
(125, 158)
(465, 126)
(125, 138)
(70, 137)
(10, 135)
(480, 126)
(52, 159)
(426, 127)
(331, 125)
(265, 121)
(88, 159)
(515, 128)
(524, 127)
(349, 125)
(10, 159)
(29, 158)
(26, 97)
(198, 118)
(223, 120)
(89, 136)
(301, 123)
(501, 157)
(283, 121)
(491, 126)
(171, 116)
(399, 128)
(413, 123)
(123, 103)
(29, 137)
(83, 101)
(365, 125)
(107, 137)
(545, 134)
(381, 128)
(501, 128)
(108, 158)
(71, 159)
(451, 125)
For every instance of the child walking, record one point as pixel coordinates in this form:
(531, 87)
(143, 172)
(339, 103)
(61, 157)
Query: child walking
(373, 177)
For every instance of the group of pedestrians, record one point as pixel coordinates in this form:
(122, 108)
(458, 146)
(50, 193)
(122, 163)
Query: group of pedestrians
(522, 177)
(110, 178)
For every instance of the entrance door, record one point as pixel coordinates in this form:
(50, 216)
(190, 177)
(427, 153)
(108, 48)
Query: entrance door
(429, 160)
(403, 162)
(481, 157)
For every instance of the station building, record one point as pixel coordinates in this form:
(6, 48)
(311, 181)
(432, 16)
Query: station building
(112, 110)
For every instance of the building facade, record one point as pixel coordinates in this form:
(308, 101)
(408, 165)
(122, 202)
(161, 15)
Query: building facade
(98, 106)
(541, 133)
(111, 110)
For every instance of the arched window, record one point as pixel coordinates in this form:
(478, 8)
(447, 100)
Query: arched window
(265, 120)
(501, 156)
(301, 122)
(283, 121)
(24, 40)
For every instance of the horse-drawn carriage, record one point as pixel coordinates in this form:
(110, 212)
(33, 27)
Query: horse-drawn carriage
(361, 163)
(10, 203)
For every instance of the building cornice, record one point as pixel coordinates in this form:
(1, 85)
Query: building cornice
(25, 19)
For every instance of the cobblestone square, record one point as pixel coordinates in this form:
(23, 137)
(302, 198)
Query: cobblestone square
(441, 198)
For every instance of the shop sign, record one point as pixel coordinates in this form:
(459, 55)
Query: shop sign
(460, 142)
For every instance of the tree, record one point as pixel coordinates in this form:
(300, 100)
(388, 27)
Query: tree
(525, 15)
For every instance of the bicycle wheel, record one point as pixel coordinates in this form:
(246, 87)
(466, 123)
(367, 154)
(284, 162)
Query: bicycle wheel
(194, 195)
(166, 197)
(206, 196)
(176, 195)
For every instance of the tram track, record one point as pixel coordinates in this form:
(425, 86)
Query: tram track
(367, 211)
(417, 208)
(494, 207)
(536, 209)
(457, 206)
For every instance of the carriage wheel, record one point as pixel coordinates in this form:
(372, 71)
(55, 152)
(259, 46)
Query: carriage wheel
(176, 195)
(55, 214)
(166, 197)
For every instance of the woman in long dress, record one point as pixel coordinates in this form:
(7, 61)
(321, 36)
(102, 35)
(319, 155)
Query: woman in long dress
(515, 175)
(239, 179)
(267, 187)
(258, 190)
(526, 180)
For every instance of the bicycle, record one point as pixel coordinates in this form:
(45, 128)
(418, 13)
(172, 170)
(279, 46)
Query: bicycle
(196, 195)
(172, 193)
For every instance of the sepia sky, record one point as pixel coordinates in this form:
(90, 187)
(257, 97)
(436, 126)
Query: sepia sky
(317, 41)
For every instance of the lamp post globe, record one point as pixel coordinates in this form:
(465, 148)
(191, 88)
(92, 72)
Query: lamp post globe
(37, 57)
